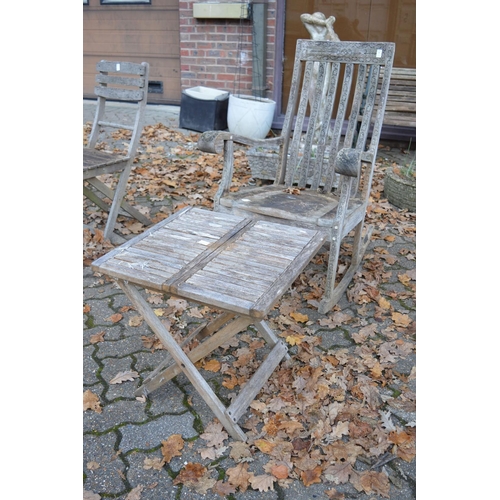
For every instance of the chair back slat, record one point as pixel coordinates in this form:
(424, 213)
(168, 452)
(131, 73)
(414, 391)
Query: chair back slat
(124, 67)
(119, 80)
(119, 94)
(315, 129)
(337, 99)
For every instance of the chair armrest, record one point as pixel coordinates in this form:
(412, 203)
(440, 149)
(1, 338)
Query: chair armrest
(348, 162)
(212, 141)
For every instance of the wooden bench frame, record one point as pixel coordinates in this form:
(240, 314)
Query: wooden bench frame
(401, 108)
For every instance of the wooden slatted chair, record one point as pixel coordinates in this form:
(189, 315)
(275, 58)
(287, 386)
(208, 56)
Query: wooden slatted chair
(124, 82)
(327, 149)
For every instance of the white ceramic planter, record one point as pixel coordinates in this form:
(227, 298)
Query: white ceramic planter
(250, 116)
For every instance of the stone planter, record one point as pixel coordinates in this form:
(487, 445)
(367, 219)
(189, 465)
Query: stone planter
(263, 163)
(400, 191)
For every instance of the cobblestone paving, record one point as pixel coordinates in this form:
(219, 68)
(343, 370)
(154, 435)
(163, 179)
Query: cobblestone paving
(127, 434)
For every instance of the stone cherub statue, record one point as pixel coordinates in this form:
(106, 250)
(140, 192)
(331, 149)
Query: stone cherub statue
(320, 28)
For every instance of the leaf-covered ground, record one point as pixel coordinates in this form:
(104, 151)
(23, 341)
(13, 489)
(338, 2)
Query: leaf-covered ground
(342, 409)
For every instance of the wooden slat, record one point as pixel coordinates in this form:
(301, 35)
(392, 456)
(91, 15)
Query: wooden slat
(401, 106)
(120, 66)
(92, 157)
(119, 80)
(119, 94)
(166, 371)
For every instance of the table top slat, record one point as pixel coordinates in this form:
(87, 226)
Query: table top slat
(221, 260)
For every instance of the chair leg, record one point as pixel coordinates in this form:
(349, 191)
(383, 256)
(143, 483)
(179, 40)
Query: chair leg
(115, 208)
(333, 293)
(88, 193)
(117, 200)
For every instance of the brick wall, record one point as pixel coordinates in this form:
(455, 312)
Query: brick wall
(218, 53)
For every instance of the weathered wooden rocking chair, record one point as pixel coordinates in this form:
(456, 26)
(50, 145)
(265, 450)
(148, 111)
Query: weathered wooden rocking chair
(325, 167)
(116, 81)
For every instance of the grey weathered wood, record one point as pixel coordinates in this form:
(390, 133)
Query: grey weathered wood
(182, 360)
(123, 67)
(328, 145)
(110, 78)
(240, 265)
(103, 188)
(401, 108)
(254, 385)
(119, 80)
(168, 371)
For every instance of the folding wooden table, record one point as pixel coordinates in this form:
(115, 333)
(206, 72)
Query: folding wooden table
(239, 265)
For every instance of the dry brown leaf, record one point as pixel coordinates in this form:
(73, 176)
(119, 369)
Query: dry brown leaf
(290, 426)
(155, 298)
(338, 473)
(180, 305)
(190, 473)
(404, 279)
(92, 465)
(374, 482)
(214, 434)
(172, 447)
(300, 318)
(336, 319)
(264, 446)
(98, 337)
(114, 318)
(401, 319)
(155, 463)
(129, 375)
(405, 444)
(294, 339)
(333, 494)
(230, 383)
(240, 451)
(135, 321)
(207, 453)
(292, 190)
(238, 476)
(195, 312)
(203, 484)
(376, 370)
(262, 482)
(223, 489)
(311, 476)
(280, 471)
(135, 494)
(212, 366)
(86, 308)
(383, 303)
(91, 401)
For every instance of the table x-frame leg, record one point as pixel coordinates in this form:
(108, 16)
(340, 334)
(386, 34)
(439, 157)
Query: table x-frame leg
(215, 333)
